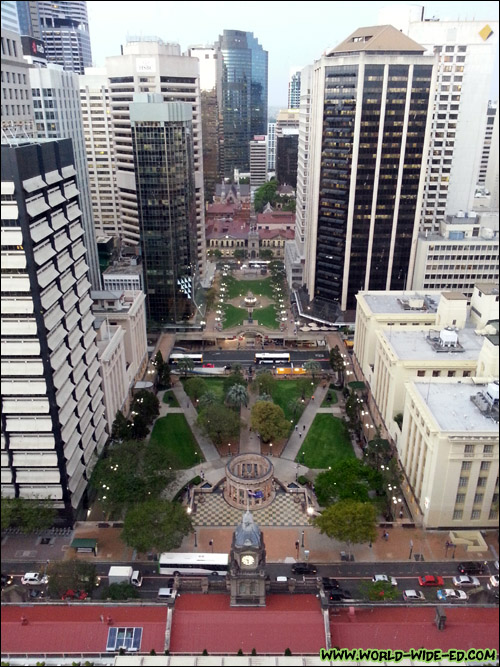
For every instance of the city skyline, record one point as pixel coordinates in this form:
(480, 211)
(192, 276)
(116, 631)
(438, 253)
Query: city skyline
(306, 38)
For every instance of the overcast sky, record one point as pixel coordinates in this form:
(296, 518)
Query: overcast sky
(293, 33)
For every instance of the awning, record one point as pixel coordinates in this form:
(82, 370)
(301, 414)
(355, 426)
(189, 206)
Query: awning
(84, 545)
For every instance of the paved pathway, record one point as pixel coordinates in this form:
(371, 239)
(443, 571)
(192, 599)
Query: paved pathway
(208, 449)
(249, 440)
(295, 440)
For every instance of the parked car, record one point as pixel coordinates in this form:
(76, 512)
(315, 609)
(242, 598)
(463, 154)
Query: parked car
(493, 582)
(74, 595)
(7, 580)
(304, 568)
(329, 583)
(34, 579)
(472, 567)
(431, 580)
(339, 596)
(35, 593)
(385, 578)
(465, 580)
(208, 365)
(451, 595)
(413, 596)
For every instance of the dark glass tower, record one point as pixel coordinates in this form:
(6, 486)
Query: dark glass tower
(242, 92)
(164, 167)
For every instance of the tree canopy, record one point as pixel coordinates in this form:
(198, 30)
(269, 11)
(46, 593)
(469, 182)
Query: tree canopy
(237, 396)
(27, 514)
(72, 574)
(219, 422)
(265, 382)
(347, 479)
(195, 387)
(156, 524)
(146, 404)
(348, 521)
(235, 377)
(269, 420)
(266, 194)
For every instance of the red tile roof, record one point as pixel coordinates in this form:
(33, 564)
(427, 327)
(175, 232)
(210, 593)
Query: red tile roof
(276, 218)
(77, 628)
(276, 233)
(218, 209)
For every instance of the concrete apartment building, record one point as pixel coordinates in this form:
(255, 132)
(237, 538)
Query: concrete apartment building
(271, 146)
(122, 344)
(463, 253)
(147, 66)
(491, 120)
(430, 346)
(53, 425)
(17, 105)
(294, 84)
(258, 161)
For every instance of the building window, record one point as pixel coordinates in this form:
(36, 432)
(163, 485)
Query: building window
(469, 449)
(420, 374)
(493, 515)
(481, 481)
(460, 500)
(463, 481)
(436, 374)
(475, 514)
(451, 374)
(466, 465)
(478, 498)
(485, 465)
(488, 449)
(458, 514)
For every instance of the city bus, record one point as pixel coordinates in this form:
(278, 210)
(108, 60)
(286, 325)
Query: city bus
(272, 358)
(193, 564)
(175, 357)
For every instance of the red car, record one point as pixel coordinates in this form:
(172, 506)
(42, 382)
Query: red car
(208, 366)
(431, 580)
(74, 595)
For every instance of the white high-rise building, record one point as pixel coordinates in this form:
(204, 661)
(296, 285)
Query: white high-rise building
(9, 16)
(100, 152)
(465, 52)
(150, 67)
(258, 161)
(17, 106)
(271, 146)
(53, 425)
(491, 119)
(56, 103)
(294, 85)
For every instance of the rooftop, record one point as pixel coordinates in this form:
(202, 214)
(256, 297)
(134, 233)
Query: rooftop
(376, 39)
(399, 302)
(415, 346)
(123, 269)
(452, 408)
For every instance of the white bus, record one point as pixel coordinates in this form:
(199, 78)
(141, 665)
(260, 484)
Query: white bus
(272, 358)
(175, 357)
(173, 564)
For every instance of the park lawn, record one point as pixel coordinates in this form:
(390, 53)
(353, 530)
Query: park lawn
(170, 399)
(326, 441)
(286, 391)
(233, 316)
(173, 432)
(242, 287)
(266, 317)
(327, 403)
(215, 384)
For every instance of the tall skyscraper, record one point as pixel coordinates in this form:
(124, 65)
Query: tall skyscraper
(491, 119)
(369, 133)
(150, 66)
(242, 92)
(162, 136)
(29, 18)
(258, 161)
(56, 102)
(65, 31)
(271, 146)
(53, 423)
(9, 16)
(294, 88)
(465, 52)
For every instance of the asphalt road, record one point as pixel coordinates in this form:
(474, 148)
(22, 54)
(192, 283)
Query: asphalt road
(247, 357)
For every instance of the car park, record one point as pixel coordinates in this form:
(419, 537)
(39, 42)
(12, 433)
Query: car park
(413, 596)
(465, 580)
(431, 580)
(304, 568)
(451, 595)
(34, 579)
(472, 567)
(385, 578)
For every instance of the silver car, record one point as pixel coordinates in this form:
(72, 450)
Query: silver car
(466, 580)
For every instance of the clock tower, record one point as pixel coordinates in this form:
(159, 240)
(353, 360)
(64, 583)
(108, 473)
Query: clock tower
(248, 557)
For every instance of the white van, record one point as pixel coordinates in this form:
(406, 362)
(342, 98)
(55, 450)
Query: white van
(136, 578)
(34, 579)
(165, 594)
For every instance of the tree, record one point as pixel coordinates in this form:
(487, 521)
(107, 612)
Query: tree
(378, 591)
(352, 407)
(269, 420)
(237, 396)
(312, 366)
(265, 382)
(195, 387)
(346, 479)
(185, 366)
(296, 407)
(123, 591)
(266, 253)
(348, 521)
(162, 371)
(27, 514)
(265, 397)
(239, 253)
(214, 253)
(121, 427)
(399, 420)
(266, 194)
(139, 429)
(146, 404)
(235, 377)
(219, 422)
(207, 399)
(156, 524)
(72, 574)
(337, 365)
(378, 451)
(210, 297)
(291, 205)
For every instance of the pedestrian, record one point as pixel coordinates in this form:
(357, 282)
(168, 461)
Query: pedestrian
(296, 427)
(312, 399)
(304, 427)
(300, 435)
(187, 404)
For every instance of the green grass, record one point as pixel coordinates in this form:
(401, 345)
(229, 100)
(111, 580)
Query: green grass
(233, 316)
(285, 392)
(214, 384)
(334, 399)
(326, 441)
(170, 399)
(357, 385)
(173, 432)
(266, 317)
(236, 288)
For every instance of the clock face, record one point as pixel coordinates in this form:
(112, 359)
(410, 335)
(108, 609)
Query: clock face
(248, 560)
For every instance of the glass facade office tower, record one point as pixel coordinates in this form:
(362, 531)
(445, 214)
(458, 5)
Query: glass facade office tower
(162, 140)
(370, 132)
(242, 93)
